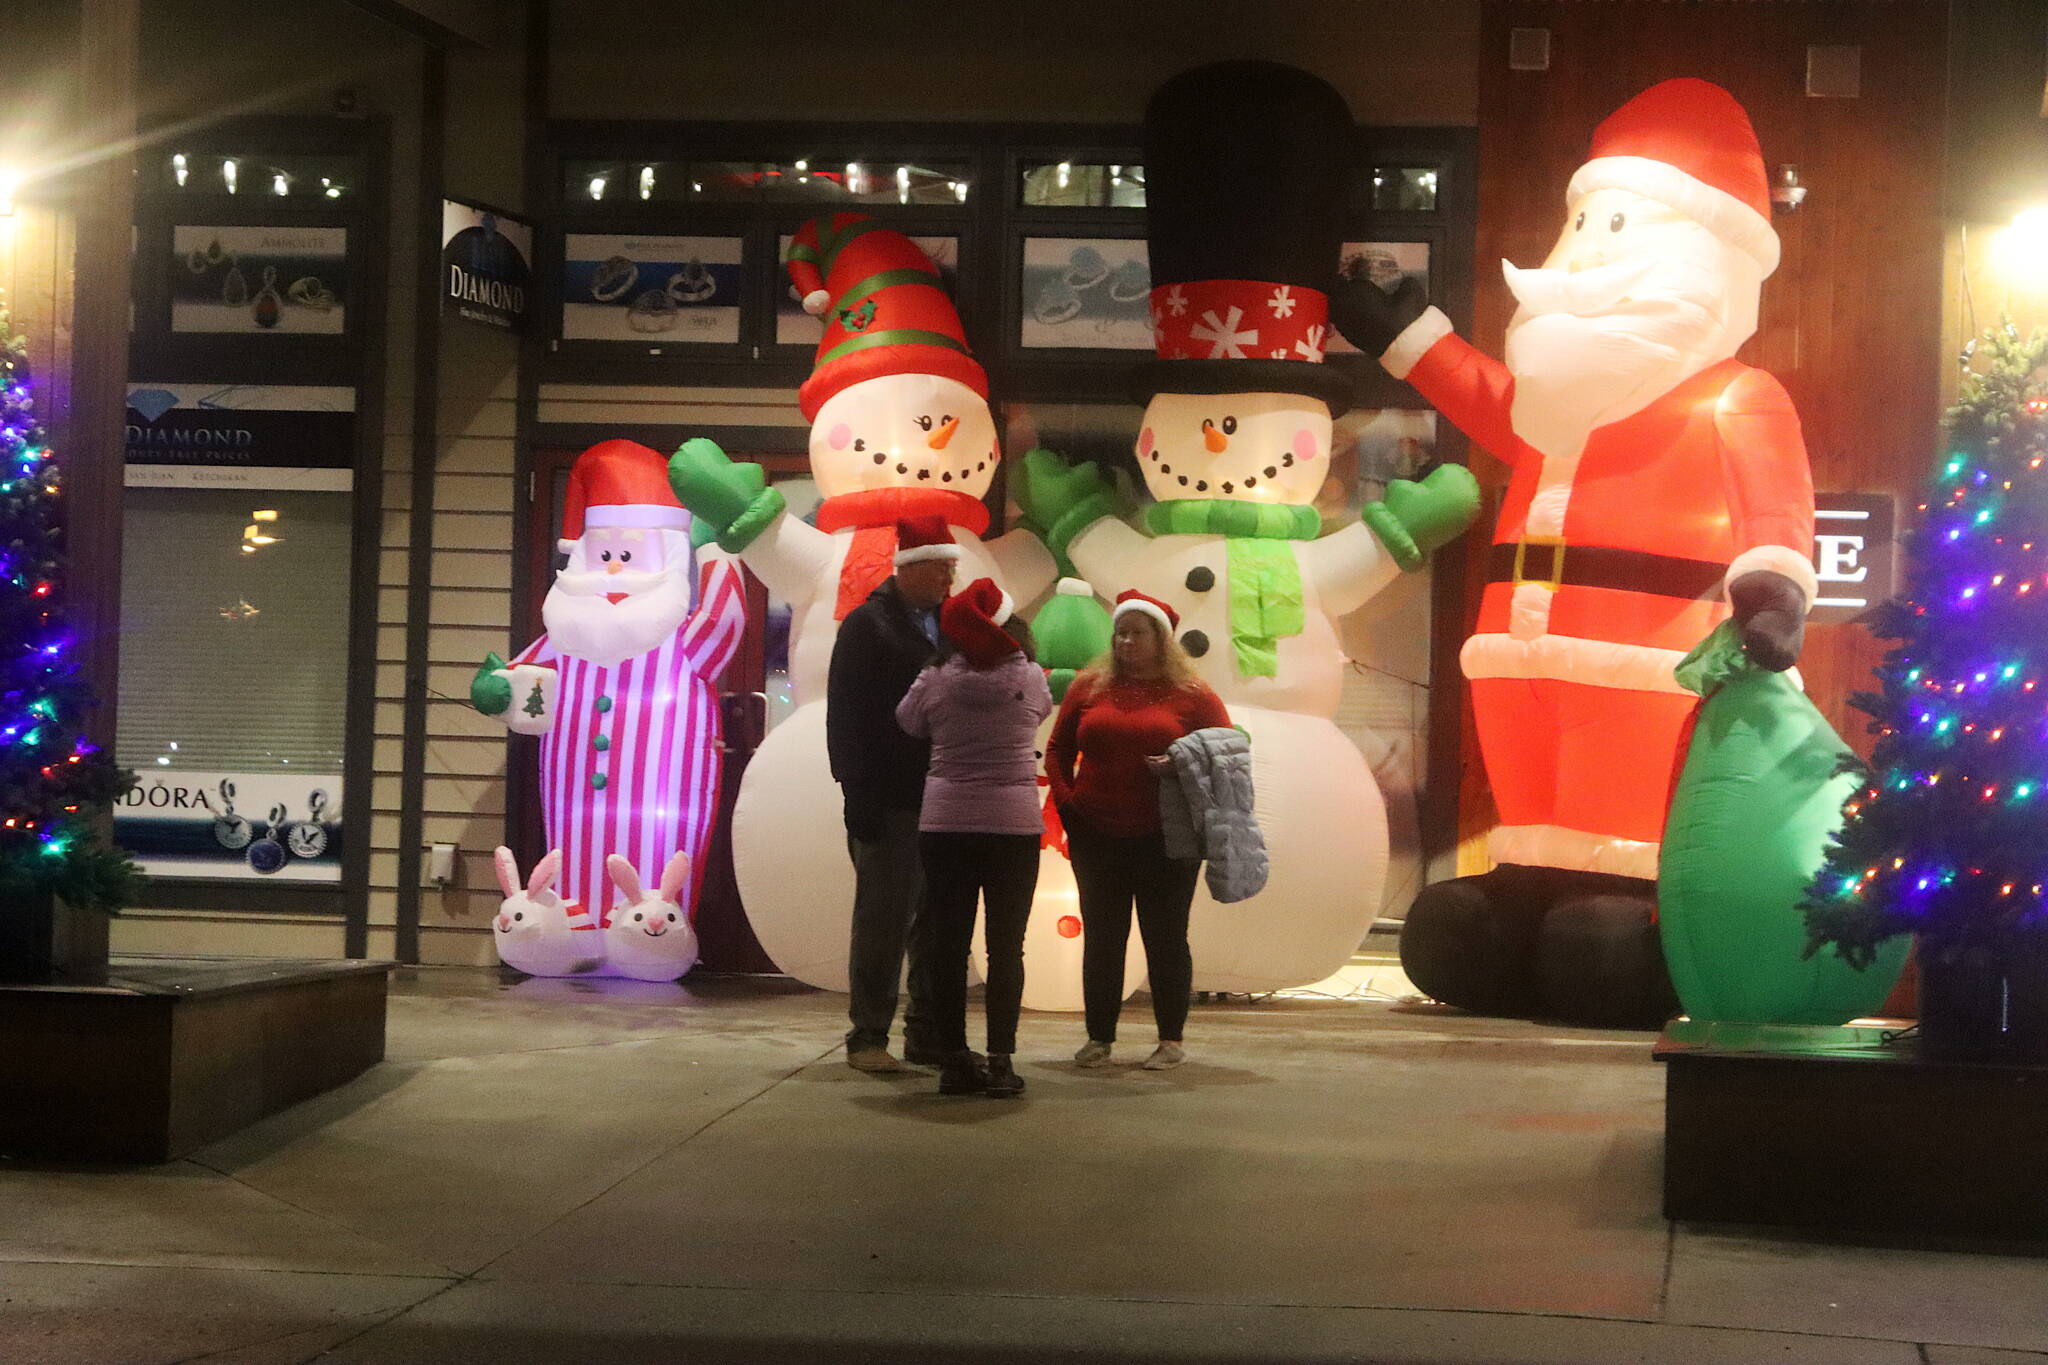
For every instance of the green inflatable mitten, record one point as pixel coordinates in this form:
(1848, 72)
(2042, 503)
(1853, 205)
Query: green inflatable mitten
(732, 497)
(1758, 799)
(1062, 500)
(488, 692)
(1072, 630)
(1417, 516)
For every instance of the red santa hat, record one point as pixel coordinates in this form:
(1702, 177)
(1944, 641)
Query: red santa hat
(620, 483)
(1687, 144)
(885, 308)
(928, 537)
(1130, 600)
(973, 620)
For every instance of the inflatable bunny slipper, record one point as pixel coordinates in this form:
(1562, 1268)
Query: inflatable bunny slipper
(649, 937)
(535, 932)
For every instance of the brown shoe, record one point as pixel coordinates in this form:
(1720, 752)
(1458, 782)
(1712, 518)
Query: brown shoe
(876, 1061)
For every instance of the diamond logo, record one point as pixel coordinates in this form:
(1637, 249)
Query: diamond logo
(152, 403)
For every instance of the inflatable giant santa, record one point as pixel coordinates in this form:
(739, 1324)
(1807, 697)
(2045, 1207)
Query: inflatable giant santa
(1658, 485)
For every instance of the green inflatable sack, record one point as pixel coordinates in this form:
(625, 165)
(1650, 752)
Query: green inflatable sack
(1760, 795)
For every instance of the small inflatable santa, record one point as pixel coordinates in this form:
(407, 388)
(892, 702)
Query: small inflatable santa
(622, 687)
(900, 429)
(1658, 485)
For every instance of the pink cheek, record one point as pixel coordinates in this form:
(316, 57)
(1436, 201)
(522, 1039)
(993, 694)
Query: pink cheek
(1305, 447)
(839, 436)
(1145, 443)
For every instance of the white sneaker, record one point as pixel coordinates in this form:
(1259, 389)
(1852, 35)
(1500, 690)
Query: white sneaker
(1092, 1053)
(1165, 1057)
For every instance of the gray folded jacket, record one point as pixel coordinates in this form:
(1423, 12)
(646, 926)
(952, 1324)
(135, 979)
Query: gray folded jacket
(1205, 809)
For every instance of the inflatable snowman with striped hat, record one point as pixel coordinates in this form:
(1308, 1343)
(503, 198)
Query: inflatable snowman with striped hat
(622, 687)
(900, 429)
(1248, 171)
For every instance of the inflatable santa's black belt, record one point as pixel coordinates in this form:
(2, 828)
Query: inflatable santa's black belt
(1557, 565)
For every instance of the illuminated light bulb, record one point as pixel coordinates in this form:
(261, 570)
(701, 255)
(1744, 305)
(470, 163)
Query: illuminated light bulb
(280, 183)
(179, 169)
(266, 514)
(228, 174)
(647, 182)
(1063, 171)
(597, 183)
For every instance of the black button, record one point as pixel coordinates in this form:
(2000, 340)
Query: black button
(1196, 643)
(1201, 578)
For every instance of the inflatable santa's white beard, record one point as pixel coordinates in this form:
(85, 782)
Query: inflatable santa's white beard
(583, 623)
(789, 846)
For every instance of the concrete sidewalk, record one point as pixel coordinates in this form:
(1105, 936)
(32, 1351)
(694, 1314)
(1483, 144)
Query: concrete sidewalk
(555, 1171)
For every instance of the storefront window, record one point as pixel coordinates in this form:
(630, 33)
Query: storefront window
(235, 678)
(587, 183)
(1404, 189)
(1069, 184)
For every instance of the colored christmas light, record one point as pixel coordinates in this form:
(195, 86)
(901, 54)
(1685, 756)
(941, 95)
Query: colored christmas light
(1946, 841)
(49, 839)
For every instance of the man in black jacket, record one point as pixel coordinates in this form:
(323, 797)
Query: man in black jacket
(882, 644)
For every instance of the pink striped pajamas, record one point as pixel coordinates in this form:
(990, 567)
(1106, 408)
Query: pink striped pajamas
(632, 763)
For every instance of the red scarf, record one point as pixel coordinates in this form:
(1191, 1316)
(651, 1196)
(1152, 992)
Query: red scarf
(873, 515)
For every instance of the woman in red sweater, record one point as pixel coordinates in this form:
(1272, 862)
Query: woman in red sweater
(1116, 721)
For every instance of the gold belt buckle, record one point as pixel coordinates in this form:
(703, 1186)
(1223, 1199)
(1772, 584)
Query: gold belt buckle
(1556, 547)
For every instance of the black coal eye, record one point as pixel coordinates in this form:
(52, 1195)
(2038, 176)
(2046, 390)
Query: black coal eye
(945, 418)
(1230, 426)
(606, 556)
(1617, 222)
(671, 917)
(860, 445)
(1579, 223)
(637, 917)
(1207, 423)
(518, 914)
(924, 423)
(625, 556)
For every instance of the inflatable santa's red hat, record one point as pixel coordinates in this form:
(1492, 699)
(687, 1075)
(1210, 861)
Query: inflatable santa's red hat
(1688, 145)
(620, 483)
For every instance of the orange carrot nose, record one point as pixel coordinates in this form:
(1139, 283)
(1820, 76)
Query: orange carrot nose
(938, 439)
(1214, 438)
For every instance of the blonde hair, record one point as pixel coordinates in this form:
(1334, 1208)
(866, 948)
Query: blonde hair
(1174, 664)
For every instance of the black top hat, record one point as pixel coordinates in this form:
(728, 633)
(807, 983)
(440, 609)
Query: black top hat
(1248, 169)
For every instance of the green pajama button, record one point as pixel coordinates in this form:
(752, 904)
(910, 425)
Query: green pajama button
(597, 781)
(601, 743)
(604, 704)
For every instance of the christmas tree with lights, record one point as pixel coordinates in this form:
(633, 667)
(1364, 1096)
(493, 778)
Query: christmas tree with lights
(55, 785)
(1948, 838)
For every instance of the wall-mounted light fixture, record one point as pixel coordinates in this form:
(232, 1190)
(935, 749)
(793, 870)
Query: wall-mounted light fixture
(1787, 194)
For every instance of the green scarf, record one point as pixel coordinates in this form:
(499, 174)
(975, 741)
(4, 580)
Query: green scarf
(1265, 580)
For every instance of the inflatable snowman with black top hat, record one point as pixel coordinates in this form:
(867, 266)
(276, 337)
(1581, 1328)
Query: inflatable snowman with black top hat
(900, 428)
(1248, 172)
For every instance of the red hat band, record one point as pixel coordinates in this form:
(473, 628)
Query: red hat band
(1240, 320)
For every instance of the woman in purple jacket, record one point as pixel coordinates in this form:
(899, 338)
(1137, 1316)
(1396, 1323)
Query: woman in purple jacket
(980, 702)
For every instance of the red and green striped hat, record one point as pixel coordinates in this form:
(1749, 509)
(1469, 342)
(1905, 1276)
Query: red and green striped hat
(885, 309)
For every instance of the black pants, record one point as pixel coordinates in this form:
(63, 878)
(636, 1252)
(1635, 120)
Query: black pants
(1112, 873)
(1000, 871)
(887, 888)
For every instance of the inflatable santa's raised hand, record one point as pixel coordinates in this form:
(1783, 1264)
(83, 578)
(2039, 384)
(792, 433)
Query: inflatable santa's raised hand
(622, 687)
(1657, 485)
(1248, 170)
(900, 428)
